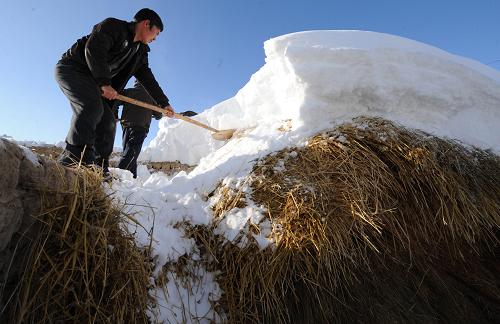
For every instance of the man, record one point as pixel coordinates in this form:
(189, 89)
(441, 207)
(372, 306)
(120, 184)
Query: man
(135, 123)
(93, 71)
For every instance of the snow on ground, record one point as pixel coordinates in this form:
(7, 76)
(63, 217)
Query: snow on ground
(311, 81)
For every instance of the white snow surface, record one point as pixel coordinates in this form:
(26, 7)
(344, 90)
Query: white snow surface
(317, 78)
(311, 81)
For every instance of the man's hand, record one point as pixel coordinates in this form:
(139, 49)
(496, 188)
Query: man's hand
(108, 92)
(169, 111)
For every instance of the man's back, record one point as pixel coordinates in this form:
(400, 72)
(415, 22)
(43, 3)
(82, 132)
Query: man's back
(121, 31)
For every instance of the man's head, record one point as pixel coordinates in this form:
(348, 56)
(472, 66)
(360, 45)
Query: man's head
(148, 25)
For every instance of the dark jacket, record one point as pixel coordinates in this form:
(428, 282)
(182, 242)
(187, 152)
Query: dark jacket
(112, 58)
(137, 116)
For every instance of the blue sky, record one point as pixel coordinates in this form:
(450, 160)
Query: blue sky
(209, 48)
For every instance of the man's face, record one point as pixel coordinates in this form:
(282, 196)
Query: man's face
(148, 33)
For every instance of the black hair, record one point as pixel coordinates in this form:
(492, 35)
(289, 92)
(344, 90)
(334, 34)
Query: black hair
(148, 14)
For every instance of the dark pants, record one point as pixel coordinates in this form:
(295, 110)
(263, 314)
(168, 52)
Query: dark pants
(92, 131)
(133, 137)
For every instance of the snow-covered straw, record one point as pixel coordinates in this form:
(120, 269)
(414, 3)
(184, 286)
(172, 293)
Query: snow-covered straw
(310, 82)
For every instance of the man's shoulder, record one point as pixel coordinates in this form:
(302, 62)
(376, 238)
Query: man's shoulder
(115, 21)
(113, 24)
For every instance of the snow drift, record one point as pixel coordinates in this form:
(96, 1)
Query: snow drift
(317, 78)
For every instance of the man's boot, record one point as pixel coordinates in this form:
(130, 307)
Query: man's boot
(73, 155)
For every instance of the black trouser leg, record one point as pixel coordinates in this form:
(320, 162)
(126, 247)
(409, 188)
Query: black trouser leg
(133, 138)
(105, 138)
(88, 109)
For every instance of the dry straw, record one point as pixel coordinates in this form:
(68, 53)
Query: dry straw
(83, 266)
(373, 223)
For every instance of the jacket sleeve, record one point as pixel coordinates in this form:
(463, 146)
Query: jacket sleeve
(145, 76)
(97, 49)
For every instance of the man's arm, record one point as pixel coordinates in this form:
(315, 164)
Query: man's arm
(143, 95)
(145, 76)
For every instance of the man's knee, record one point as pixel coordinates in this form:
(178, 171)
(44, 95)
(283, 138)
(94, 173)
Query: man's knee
(137, 135)
(84, 123)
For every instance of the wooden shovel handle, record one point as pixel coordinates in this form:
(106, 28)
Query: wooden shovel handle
(158, 109)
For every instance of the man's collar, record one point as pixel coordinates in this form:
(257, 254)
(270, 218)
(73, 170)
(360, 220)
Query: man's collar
(131, 32)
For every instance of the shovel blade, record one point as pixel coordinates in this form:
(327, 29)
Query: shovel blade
(223, 135)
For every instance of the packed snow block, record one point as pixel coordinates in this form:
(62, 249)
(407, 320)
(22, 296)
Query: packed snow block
(317, 78)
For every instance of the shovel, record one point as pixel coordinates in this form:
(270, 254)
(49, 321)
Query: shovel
(220, 135)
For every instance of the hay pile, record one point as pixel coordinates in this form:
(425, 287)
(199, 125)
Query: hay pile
(83, 267)
(372, 223)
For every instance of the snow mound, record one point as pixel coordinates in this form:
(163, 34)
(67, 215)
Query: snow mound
(316, 79)
(311, 82)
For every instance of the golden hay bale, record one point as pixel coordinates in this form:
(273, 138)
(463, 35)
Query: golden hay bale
(83, 266)
(372, 223)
